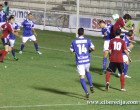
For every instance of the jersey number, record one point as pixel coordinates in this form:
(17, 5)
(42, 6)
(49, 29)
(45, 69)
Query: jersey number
(117, 45)
(82, 49)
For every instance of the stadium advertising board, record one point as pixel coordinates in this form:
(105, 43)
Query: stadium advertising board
(66, 23)
(20, 14)
(90, 23)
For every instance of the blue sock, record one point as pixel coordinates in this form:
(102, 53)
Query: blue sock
(104, 63)
(36, 46)
(22, 46)
(13, 52)
(88, 75)
(126, 68)
(83, 83)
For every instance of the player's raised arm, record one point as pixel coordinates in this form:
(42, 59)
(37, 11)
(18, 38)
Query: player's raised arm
(126, 28)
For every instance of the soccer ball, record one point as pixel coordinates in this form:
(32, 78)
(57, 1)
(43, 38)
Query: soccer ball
(115, 17)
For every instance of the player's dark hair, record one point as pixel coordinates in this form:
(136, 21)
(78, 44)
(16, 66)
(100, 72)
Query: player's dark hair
(118, 32)
(11, 17)
(6, 3)
(130, 33)
(29, 14)
(1, 5)
(127, 16)
(81, 31)
(102, 21)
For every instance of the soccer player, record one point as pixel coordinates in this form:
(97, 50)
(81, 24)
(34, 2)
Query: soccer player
(12, 37)
(29, 33)
(130, 25)
(116, 48)
(82, 48)
(129, 47)
(2, 15)
(7, 29)
(6, 8)
(120, 23)
(106, 34)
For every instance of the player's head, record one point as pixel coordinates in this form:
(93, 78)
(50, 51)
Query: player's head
(6, 3)
(102, 24)
(130, 33)
(126, 17)
(13, 16)
(118, 32)
(11, 19)
(1, 7)
(81, 31)
(30, 16)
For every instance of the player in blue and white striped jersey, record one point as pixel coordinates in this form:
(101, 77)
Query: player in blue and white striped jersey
(81, 48)
(2, 16)
(129, 46)
(12, 37)
(106, 34)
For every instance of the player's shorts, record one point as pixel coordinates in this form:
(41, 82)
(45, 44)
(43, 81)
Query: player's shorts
(125, 58)
(31, 38)
(106, 45)
(5, 41)
(113, 66)
(12, 42)
(82, 69)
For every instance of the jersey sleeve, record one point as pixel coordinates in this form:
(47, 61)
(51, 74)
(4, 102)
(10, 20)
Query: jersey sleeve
(17, 27)
(3, 26)
(5, 16)
(72, 46)
(22, 24)
(102, 32)
(122, 22)
(91, 44)
(32, 24)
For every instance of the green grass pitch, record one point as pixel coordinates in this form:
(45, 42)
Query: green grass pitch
(50, 81)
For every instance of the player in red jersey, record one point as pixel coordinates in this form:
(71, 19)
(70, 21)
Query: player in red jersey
(120, 23)
(116, 48)
(7, 29)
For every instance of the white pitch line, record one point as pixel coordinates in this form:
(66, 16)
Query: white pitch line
(46, 105)
(45, 48)
(135, 61)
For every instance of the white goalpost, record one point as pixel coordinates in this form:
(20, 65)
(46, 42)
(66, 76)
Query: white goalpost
(77, 20)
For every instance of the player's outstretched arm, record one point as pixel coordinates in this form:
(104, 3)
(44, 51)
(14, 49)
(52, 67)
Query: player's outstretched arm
(126, 28)
(128, 55)
(17, 30)
(132, 41)
(16, 34)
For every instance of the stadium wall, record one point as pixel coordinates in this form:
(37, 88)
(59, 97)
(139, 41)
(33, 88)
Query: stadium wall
(66, 22)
